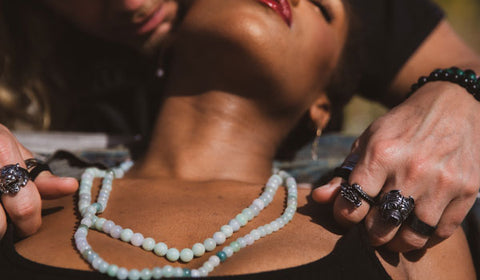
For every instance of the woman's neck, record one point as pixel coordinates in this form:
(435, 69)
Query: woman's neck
(213, 136)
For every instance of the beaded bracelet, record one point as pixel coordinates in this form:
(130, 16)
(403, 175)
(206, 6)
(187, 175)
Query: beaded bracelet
(467, 79)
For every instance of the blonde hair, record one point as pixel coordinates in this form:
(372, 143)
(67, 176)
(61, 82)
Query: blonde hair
(26, 36)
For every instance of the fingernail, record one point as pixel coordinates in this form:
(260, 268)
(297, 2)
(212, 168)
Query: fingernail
(324, 186)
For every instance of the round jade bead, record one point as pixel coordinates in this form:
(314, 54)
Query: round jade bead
(259, 203)
(116, 231)
(167, 271)
(137, 239)
(242, 242)
(198, 249)
(222, 256)
(107, 226)
(103, 267)
(148, 244)
(92, 257)
(133, 274)
(96, 263)
(256, 210)
(187, 273)
(219, 237)
(242, 219)
(87, 253)
(160, 249)
(195, 273)
(215, 260)
(208, 266)
(173, 254)
(235, 246)
(256, 234)
(157, 273)
(126, 235)
(177, 272)
(234, 224)
(203, 272)
(248, 213)
(122, 273)
(228, 251)
(227, 230)
(146, 274)
(112, 270)
(209, 244)
(249, 239)
(186, 255)
(86, 221)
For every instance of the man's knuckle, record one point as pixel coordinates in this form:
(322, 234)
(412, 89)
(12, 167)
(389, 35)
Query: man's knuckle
(469, 190)
(23, 210)
(380, 150)
(7, 145)
(445, 232)
(416, 242)
(378, 239)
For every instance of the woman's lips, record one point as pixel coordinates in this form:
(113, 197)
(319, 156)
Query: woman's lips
(282, 7)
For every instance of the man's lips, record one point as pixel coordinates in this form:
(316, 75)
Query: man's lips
(282, 7)
(153, 21)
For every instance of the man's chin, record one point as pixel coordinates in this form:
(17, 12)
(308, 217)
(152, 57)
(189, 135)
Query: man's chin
(155, 41)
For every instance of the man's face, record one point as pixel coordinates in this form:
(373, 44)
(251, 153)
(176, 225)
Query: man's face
(141, 24)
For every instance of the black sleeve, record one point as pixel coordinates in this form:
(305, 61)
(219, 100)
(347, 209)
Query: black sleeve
(390, 32)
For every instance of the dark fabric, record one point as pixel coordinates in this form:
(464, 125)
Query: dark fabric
(351, 258)
(390, 31)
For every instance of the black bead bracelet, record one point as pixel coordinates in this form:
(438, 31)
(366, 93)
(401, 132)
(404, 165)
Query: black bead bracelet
(467, 79)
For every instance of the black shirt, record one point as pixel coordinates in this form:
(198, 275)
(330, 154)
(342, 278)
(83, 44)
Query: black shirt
(391, 30)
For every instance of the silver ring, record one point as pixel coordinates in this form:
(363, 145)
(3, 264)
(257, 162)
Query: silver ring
(354, 193)
(395, 208)
(12, 178)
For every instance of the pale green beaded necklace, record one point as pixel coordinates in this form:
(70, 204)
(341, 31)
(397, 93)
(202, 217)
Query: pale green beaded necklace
(89, 220)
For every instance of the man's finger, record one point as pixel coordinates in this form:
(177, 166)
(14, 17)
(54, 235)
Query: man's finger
(327, 193)
(24, 209)
(3, 222)
(51, 186)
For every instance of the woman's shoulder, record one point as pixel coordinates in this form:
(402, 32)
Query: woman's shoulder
(450, 259)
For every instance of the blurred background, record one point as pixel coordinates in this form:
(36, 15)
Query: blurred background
(464, 15)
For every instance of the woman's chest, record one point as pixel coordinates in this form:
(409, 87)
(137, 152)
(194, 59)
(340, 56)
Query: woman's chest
(180, 221)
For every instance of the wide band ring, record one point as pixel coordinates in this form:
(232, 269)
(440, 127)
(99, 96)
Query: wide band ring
(420, 226)
(354, 193)
(346, 168)
(12, 178)
(342, 173)
(395, 208)
(35, 167)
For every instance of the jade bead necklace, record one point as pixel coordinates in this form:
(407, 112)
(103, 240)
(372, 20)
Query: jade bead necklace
(90, 220)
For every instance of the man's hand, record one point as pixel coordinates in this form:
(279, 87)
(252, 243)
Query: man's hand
(427, 147)
(24, 208)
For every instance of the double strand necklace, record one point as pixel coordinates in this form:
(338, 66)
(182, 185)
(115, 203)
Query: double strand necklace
(90, 220)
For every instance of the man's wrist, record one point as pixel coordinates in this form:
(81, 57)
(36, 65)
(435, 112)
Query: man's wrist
(467, 79)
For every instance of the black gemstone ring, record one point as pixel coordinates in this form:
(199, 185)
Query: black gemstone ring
(395, 208)
(420, 226)
(12, 178)
(354, 193)
(35, 167)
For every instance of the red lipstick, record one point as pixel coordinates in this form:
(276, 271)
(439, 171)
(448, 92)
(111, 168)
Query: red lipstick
(282, 7)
